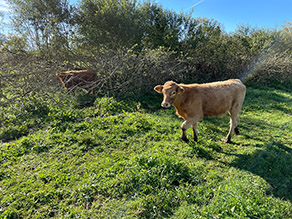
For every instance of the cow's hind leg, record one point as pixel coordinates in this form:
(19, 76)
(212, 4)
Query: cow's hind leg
(194, 126)
(92, 88)
(233, 127)
(236, 131)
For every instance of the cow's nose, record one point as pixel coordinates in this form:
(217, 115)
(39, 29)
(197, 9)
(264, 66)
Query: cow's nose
(165, 104)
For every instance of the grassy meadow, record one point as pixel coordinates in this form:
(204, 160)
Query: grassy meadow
(86, 157)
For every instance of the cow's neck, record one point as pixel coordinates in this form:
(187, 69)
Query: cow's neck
(177, 101)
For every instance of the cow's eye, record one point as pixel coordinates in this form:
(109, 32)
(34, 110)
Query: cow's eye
(173, 93)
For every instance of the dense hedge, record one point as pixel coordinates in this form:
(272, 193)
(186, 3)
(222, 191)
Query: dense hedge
(133, 46)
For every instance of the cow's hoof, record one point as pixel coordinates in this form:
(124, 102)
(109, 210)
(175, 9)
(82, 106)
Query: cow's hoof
(185, 140)
(236, 131)
(219, 149)
(227, 139)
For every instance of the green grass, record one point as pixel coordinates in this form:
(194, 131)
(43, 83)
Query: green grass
(111, 158)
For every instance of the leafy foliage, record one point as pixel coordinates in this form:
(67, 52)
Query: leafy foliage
(44, 23)
(132, 46)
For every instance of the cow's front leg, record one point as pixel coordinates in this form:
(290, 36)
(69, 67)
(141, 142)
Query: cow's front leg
(183, 136)
(184, 127)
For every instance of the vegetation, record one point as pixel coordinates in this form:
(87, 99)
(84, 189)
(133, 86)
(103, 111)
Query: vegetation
(124, 158)
(117, 154)
(133, 46)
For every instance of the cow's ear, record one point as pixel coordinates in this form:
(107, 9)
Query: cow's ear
(158, 88)
(180, 89)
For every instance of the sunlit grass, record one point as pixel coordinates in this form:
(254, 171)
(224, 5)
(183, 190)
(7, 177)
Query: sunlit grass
(124, 159)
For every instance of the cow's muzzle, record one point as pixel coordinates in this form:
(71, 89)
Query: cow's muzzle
(165, 104)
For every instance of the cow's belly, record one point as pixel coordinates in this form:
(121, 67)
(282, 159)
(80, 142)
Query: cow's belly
(217, 109)
(215, 114)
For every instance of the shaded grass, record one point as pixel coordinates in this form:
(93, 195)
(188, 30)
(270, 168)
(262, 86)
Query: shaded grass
(124, 159)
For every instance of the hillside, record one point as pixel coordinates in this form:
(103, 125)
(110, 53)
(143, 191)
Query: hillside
(118, 158)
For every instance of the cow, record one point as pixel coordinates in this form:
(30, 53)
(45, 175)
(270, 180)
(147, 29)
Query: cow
(193, 102)
(78, 78)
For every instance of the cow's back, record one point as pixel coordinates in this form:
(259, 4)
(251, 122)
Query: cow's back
(219, 97)
(74, 78)
(212, 99)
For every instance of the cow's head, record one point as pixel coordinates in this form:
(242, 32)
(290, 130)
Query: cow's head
(170, 91)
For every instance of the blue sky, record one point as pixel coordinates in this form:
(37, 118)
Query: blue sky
(230, 13)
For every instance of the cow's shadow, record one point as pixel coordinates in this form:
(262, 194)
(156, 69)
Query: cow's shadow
(271, 159)
(274, 164)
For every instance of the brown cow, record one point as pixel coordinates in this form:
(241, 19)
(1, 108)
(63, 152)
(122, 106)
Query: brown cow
(195, 101)
(78, 78)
